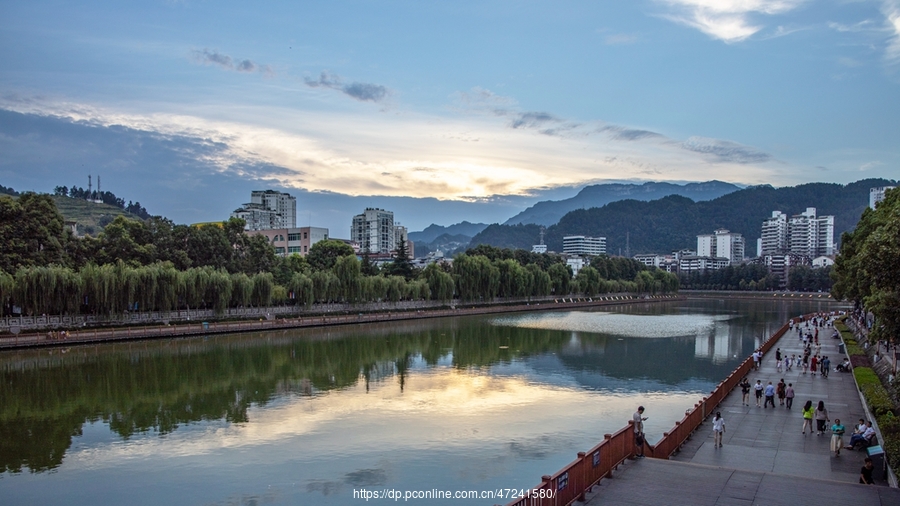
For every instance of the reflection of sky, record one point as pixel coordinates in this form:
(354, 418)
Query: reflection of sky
(616, 324)
(448, 428)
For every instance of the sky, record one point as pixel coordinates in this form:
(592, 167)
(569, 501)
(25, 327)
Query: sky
(440, 111)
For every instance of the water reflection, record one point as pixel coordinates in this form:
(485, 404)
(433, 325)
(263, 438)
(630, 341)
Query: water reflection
(446, 402)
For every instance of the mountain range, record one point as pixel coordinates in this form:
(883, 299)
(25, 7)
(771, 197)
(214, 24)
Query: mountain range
(673, 222)
(549, 212)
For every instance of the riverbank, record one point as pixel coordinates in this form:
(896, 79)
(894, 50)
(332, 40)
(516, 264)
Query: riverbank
(267, 321)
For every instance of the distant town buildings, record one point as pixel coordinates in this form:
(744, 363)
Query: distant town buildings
(268, 210)
(876, 195)
(583, 245)
(374, 231)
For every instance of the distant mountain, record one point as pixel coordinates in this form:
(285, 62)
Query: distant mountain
(549, 212)
(673, 222)
(433, 231)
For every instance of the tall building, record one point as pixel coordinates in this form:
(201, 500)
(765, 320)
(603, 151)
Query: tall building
(803, 234)
(583, 245)
(267, 210)
(374, 231)
(876, 195)
(774, 235)
(809, 235)
(721, 244)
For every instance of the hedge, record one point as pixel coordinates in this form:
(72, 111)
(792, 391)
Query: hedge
(875, 394)
(890, 435)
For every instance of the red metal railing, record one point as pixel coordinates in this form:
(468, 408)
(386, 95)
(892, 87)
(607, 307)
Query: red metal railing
(571, 483)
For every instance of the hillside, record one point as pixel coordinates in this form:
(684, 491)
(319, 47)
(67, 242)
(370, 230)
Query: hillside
(91, 217)
(549, 212)
(673, 222)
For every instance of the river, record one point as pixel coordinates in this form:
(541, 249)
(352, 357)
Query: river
(316, 416)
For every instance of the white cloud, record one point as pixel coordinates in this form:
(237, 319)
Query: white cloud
(892, 13)
(727, 20)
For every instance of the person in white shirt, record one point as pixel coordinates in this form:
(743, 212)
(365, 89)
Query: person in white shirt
(718, 424)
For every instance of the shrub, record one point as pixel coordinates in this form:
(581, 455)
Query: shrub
(875, 394)
(890, 435)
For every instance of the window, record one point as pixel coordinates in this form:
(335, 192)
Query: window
(279, 250)
(294, 237)
(293, 249)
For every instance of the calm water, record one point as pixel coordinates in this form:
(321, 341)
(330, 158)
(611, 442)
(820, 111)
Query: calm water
(307, 417)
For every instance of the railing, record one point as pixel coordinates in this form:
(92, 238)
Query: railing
(56, 338)
(573, 481)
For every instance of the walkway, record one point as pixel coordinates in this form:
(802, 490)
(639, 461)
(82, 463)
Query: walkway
(765, 459)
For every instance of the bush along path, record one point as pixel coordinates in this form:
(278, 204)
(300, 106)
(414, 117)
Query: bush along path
(874, 370)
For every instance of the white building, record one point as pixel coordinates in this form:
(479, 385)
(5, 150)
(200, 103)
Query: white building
(773, 239)
(576, 264)
(780, 265)
(374, 231)
(722, 244)
(650, 260)
(289, 241)
(583, 245)
(268, 209)
(823, 261)
(876, 195)
(538, 248)
(809, 235)
(690, 263)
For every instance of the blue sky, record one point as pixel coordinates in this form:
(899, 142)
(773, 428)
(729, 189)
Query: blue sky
(480, 108)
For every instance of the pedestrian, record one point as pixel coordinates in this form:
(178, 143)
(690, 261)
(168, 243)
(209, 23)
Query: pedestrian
(759, 391)
(639, 431)
(770, 396)
(791, 362)
(789, 395)
(757, 356)
(813, 362)
(837, 437)
(805, 363)
(780, 391)
(745, 392)
(821, 417)
(865, 474)
(826, 366)
(808, 412)
(718, 429)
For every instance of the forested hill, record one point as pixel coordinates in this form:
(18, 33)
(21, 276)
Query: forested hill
(672, 223)
(551, 211)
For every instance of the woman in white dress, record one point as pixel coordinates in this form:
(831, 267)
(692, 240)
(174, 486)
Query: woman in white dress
(718, 429)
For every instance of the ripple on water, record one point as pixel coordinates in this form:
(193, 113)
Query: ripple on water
(625, 325)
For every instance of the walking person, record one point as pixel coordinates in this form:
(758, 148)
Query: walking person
(789, 395)
(813, 362)
(837, 437)
(718, 429)
(808, 411)
(826, 366)
(639, 431)
(770, 396)
(780, 391)
(758, 387)
(865, 474)
(821, 417)
(745, 392)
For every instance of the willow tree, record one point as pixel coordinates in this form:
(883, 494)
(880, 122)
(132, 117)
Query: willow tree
(475, 277)
(218, 290)
(560, 279)
(7, 287)
(47, 290)
(263, 289)
(241, 290)
(348, 272)
(588, 281)
(440, 283)
(541, 284)
(326, 286)
(302, 288)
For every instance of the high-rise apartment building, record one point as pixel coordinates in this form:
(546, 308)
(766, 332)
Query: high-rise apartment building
(267, 210)
(803, 234)
(721, 244)
(374, 231)
(876, 195)
(774, 235)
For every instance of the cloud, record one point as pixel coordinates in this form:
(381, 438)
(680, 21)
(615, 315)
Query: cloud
(207, 57)
(364, 92)
(628, 134)
(532, 120)
(892, 13)
(725, 151)
(726, 20)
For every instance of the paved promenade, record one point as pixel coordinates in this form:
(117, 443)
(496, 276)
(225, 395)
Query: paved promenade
(765, 460)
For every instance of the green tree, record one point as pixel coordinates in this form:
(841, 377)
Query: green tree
(32, 232)
(323, 254)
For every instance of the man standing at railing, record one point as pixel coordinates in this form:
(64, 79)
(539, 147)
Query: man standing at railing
(639, 431)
